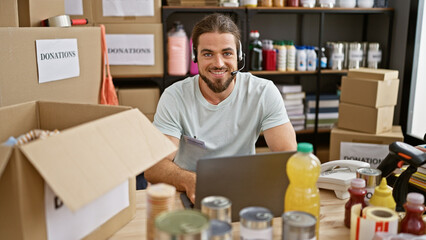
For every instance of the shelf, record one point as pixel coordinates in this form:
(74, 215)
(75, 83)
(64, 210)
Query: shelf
(323, 71)
(330, 71)
(321, 10)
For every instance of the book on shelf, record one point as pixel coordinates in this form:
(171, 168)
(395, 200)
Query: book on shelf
(321, 121)
(292, 102)
(323, 110)
(320, 125)
(331, 115)
(297, 117)
(298, 127)
(293, 95)
(325, 101)
(288, 88)
(295, 111)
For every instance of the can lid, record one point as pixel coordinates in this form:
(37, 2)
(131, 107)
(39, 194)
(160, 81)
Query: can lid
(219, 228)
(369, 171)
(358, 183)
(415, 198)
(182, 222)
(216, 202)
(299, 219)
(161, 190)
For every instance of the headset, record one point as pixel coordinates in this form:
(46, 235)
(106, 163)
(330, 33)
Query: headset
(239, 53)
(241, 57)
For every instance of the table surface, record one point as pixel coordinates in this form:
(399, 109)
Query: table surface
(331, 219)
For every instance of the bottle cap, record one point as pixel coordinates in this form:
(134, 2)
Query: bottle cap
(383, 189)
(358, 183)
(415, 198)
(305, 147)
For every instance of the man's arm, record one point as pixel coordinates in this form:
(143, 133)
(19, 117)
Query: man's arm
(281, 138)
(166, 171)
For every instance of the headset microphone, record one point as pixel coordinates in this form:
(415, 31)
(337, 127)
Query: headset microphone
(233, 73)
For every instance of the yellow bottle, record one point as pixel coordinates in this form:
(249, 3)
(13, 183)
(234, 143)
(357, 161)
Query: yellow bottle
(382, 196)
(303, 170)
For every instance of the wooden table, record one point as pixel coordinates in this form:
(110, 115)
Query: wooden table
(331, 219)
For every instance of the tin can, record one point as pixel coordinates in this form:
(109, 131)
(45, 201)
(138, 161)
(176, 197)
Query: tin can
(220, 230)
(355, 55)
(255, 223)
(182, 224)
(374, 55)
(372, 179)
(298, 225)
(338, 56)
(217, 207)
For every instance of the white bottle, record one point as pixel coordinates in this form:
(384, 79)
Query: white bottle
(365, 3)
(347, 3)
(291, 57)
(312, 59)
(301, 58)
(282, 56)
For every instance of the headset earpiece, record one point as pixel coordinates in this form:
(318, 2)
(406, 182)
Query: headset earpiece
(194, 54)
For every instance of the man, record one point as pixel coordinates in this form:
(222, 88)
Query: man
(220, 108)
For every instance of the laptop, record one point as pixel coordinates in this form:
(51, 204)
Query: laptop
(250, 180)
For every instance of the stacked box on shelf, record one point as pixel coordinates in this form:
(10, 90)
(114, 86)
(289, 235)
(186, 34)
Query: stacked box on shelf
(134, 37)
(9, 13)
(368, 99)
(328, 112)
(145, 99)
(293, 100)
(32, 12)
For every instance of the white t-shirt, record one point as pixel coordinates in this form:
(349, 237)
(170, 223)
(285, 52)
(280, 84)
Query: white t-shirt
(230, 128)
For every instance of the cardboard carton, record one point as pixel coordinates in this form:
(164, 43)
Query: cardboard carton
(32, 12)
(339, 136)
(99, 17)
(365, 119)
(370, 93)
(99, 148)
(373, 74)
(145, 99)
(18, 68)
(9, 13)
(155, 70)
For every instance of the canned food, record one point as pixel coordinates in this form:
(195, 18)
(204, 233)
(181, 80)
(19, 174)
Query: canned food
(298, 225)
(220, 230)
(372, 179)
(182, 224)
(217, 207)
(255, 223)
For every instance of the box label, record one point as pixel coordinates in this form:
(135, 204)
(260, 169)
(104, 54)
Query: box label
(64, 224)
(57, 59)
(365, 152)
(120, 8)
(131, 49)
(73, 7)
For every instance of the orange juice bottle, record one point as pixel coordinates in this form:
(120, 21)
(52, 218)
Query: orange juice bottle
(303, 170)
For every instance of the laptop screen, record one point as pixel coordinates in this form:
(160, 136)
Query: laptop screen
(251, 180)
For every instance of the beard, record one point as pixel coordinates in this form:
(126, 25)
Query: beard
(217, 86)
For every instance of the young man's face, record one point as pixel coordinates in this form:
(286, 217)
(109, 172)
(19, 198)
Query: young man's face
(217, 58)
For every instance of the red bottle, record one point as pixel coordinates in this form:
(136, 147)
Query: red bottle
(414, 209)
(358, 192)
(269, 55)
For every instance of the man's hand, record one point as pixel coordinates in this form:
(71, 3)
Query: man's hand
(190, 186)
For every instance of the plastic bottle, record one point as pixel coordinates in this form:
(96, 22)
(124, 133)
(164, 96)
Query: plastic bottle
(178, 51)
(382, 196)
(255, 48)
(302, 194)
(282, 56)
(414, 209)
(323, 62)
(269, 55)
(301, 58)
(291, 56)
(311, 57)
(358, 192)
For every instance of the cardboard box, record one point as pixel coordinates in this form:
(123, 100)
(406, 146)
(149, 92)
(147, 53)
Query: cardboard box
(373, 74)
(365, 119)
(370, 93)
(156, 30)
(338, 136)
(9, 13)
(145, 99)
(87, 11)
(100, 17)
(98, 148)
(19, 73)
(32, 12)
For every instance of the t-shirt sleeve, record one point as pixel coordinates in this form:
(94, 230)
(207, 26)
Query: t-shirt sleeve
(274, 112)
(166, 118)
